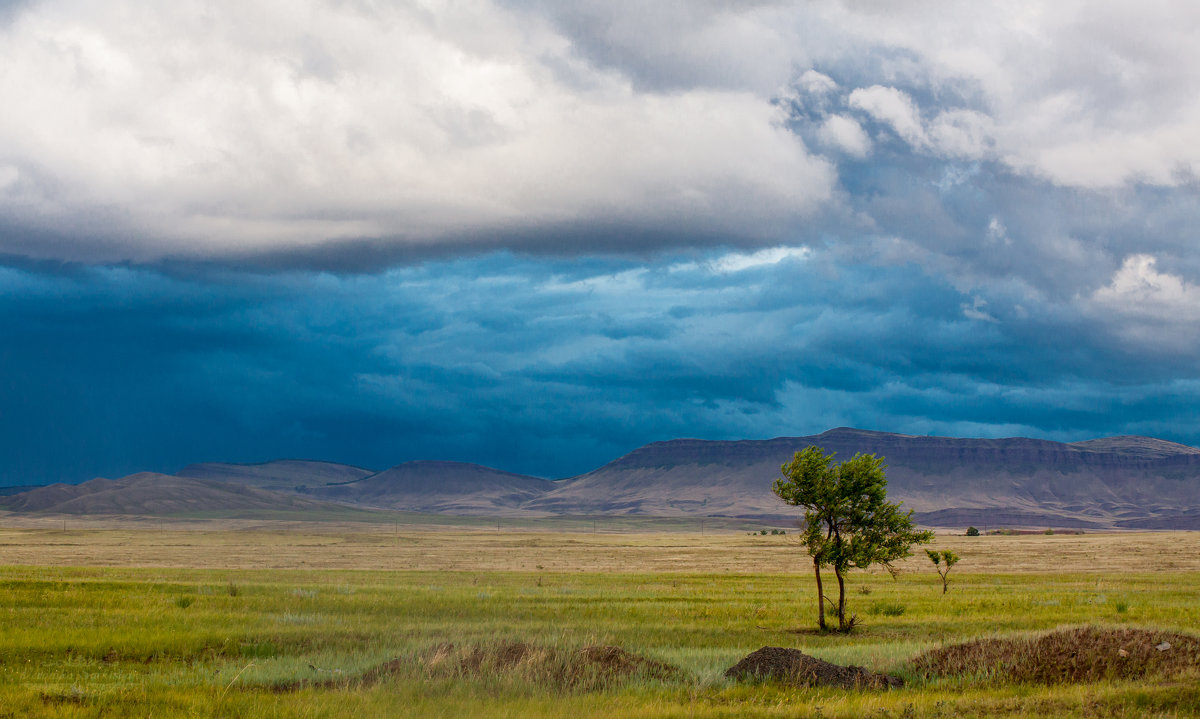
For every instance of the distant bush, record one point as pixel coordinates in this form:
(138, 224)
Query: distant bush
(1048, 531)
(183, 602)
(972, 532)
(232, 589)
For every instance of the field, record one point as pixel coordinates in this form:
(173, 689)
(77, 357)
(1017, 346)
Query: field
(271, 618)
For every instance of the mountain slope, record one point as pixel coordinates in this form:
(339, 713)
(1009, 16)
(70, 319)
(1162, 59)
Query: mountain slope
(282, 474)
(148, 493)
(450, 487)
(1115, 482)
(1118, 482)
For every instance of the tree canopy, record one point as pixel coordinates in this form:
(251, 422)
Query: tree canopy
(847, 521)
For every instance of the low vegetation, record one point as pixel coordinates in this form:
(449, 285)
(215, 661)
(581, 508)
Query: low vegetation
(943, 562)
(152, 635)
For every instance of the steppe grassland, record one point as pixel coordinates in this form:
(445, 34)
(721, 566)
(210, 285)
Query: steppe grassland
(206, 621)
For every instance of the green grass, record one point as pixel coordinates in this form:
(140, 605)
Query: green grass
(82, 642)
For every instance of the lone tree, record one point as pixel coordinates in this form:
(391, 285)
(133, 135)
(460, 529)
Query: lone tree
(946, 557)
(848, 521)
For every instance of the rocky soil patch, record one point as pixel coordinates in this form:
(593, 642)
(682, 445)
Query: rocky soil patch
(794, 667)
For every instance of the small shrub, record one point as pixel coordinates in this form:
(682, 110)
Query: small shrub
(1048, 532)
(972, 532)
(1122, 607)
(943, 562)
(183, 602)
(232, 589)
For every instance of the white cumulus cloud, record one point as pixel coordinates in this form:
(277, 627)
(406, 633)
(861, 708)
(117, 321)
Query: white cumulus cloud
(894, 108)
(1146, 308)
(194, 129)
(1138, 289)
(200, 128)
(844, 133)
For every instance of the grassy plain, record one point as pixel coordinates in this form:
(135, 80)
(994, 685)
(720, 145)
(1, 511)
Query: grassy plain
(210, 619)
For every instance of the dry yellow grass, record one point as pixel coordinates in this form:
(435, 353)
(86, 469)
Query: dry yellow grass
(289, 545)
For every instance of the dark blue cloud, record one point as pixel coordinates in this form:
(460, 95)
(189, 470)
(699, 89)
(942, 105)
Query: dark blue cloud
(536, 364)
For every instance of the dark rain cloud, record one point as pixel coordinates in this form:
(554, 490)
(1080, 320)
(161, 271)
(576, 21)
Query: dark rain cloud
(536, 364)
(869, 224)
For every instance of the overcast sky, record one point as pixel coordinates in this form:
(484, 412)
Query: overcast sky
(537, 235)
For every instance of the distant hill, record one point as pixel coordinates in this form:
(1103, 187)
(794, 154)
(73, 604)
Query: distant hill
(1132, 482)
(281, 474)
(446, 487)
(1116, 482)
(1134, 446)
(148, 493)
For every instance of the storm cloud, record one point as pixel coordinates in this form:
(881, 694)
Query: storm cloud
(537, 235)
(549, 365)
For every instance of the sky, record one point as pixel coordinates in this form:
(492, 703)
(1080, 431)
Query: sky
(538, 235)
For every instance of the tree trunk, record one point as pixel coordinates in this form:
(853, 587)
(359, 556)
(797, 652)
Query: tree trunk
(841, 599)
(820, 595)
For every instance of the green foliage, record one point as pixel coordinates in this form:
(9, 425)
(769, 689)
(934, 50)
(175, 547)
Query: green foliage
(943, 561)
(972, 532)
(887, 609)
(1048, 532)
(848, 522)
(96, 641)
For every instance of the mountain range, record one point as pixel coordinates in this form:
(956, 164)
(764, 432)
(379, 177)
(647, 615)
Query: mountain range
(1117, 482)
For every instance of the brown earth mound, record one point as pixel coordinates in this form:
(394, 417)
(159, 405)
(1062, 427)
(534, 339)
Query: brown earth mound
(1070, 655)
(795, 667)
(584, 669)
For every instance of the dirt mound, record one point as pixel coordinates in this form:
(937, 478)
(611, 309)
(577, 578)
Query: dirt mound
(583, 669)
(1070, 655)
(795, 667)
